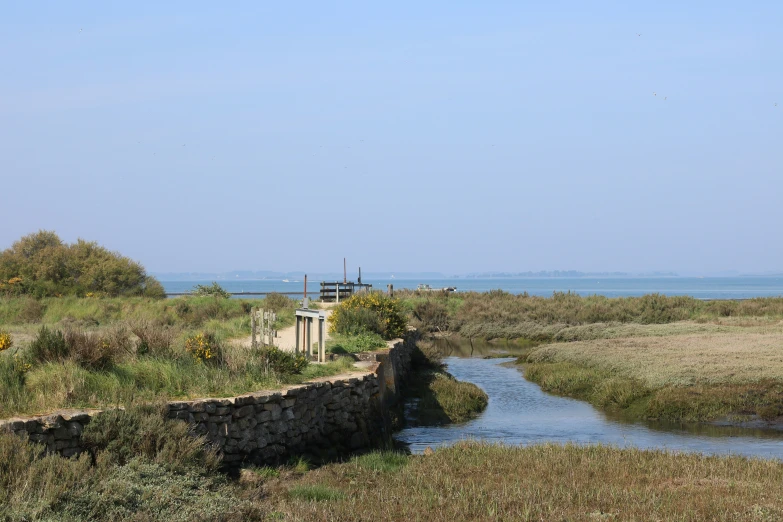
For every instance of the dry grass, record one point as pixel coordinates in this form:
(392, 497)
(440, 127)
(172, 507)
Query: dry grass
(677, 360)
(475, 481)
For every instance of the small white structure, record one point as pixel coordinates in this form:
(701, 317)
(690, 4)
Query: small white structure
(305, 317)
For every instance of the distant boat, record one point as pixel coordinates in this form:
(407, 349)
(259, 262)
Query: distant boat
(286, 281)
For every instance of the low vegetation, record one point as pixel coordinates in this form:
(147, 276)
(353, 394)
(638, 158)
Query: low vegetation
(362, 342)
(681, 378)
(566, 316)
(143, 467)
(92, 352)
(435, 395)
(476, 481)
(41, 265)
(654, 357)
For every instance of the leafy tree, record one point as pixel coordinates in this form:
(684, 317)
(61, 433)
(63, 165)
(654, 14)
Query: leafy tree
(40, 264)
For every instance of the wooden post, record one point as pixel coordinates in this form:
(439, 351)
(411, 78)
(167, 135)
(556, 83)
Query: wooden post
(296, 346)
(309, 350)
(253, 343)
(321, 346)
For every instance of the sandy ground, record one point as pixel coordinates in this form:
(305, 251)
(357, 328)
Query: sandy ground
(286, 338)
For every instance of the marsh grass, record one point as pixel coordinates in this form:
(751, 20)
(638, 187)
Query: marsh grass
(497, 314)
(478, 481)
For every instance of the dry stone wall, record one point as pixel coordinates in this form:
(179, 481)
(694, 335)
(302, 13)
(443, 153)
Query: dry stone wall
(318, 419)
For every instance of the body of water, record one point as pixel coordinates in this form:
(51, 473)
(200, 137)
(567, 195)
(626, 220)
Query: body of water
(520, 413)
(702, 288)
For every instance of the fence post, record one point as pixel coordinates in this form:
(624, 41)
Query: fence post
(253, 328)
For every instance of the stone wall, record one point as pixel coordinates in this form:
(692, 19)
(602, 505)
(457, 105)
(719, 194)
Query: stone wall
(318, 419)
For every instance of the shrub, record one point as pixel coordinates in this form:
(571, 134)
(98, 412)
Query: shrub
(280, 362)
(205, 347)
(32, 311)
(431, 315)
(155, 339)
(6, 341)
(369, 312)
(48, 346)
(142, 431)
(98, 352)
(277, 302)
(213, 290)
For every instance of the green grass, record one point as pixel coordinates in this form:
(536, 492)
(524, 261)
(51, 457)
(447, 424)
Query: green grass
(51, 386)
(382, 461)
(634, 400)
(87, 375)
(315, 493)
(344, 344)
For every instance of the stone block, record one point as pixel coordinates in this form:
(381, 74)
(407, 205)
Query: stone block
(219, 418)
(198, 407)
(287, 403)
(222, 410)
(264, 416)
(210, 407)
(244, 411)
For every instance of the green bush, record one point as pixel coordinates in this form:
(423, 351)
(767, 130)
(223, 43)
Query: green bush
(41, 265)
(48, 346)
(369, 312)
(280, 362)
(213, 290)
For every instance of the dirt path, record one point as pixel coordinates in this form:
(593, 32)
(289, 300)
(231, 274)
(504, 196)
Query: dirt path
(286, 338)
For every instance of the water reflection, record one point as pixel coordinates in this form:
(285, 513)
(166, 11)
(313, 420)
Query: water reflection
(520, 413)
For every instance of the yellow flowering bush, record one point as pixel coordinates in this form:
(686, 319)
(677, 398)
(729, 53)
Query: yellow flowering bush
(369, 312)
(6, 341)
(204, 347)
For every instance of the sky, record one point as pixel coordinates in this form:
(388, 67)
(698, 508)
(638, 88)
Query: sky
(406, 136)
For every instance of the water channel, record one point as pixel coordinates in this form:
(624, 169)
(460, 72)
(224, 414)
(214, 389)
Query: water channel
(520, 413)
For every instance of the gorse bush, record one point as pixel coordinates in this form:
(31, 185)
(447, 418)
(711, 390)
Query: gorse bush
(205, 348)
(6, 341)
(41, 265)
(369, 312)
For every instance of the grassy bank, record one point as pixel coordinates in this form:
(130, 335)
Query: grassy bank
(113, 350)
(735, 376)
(435, 395)
(142, 467)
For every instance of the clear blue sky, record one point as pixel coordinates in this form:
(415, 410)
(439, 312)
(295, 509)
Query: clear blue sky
(406, 136)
